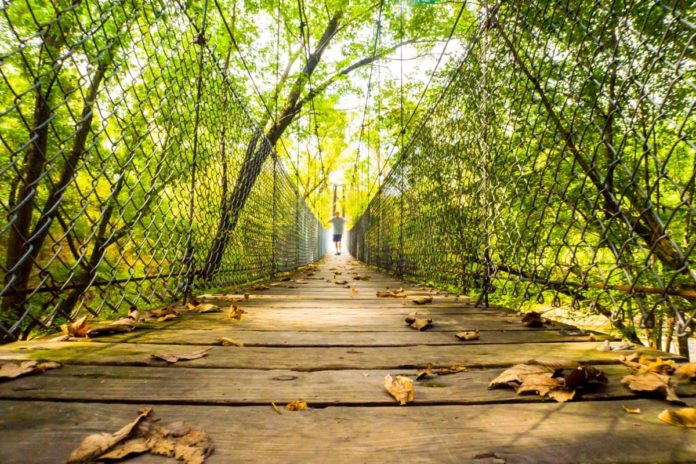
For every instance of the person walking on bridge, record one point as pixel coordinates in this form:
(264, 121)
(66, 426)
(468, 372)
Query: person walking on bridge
(337, 222)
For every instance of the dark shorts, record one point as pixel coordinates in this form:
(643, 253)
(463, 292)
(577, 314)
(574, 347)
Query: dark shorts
(337, 238)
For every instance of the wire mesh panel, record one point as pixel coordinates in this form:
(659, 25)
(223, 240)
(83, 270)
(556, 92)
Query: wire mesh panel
(130, 171)
(557, 166)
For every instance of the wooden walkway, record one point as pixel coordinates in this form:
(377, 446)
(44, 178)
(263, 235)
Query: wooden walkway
(332, 347)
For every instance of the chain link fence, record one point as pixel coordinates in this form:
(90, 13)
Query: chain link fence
(131, 172)
(558, 167)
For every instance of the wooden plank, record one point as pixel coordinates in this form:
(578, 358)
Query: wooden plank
(316, 358)
(529, 433)
(176, 335)
(349, 322)
(249, 387)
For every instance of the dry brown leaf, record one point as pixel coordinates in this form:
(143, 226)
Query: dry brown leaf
(361, 277)
(421, 300)
(14, 369)
(172, 358)
(468, 336)
(123, 325)
(164, 313)
(224, 341)
(453, 369)
(541, 384)
(246, 296)
(391, 294)
(561, 395)
(652, 382)
(340, 282)
(296, 405)
(126, 448)
(205, 308)
(428, 371)
(235, 312)
(418, 324)
(631, 410)
(515, 375)
(686, 371)
(400, 387)
(259, 287)
(641, 365)
(95, 445)
(77, 329)
(684, 417)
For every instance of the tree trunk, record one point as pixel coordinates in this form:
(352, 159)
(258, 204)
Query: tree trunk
(24, 248)
(256, 154)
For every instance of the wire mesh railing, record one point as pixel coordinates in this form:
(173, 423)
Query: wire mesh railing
(557, 166)
(130, 171)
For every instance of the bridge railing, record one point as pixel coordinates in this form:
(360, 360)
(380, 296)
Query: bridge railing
(121, 141)
(557, 167)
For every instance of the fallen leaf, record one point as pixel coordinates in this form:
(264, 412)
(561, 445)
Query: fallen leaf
(95, 445)
(391, 294)
(641, 365)
(533, 319)
(172, 358)
(235, 312)
(224, 341)
(400, 387)
(684, 417)
(246, 296)
(275, 408)
(515, 375)
(123, 325)
(561, 395)
(631, 410)
(540, 384)
(361, 277)
(301, 281)
(468, 336)
(686, 371)
(14, 369)
(421, 300)
(652, 382)
(453, 369)
(428, 371)
(418, 324)
(164, 313)
(296, 405)
(205, 308)
(77, 329)
(259, 287)
(340, 282)
(127, 448)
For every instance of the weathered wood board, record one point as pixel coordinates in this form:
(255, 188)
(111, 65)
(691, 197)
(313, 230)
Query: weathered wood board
(333, 346)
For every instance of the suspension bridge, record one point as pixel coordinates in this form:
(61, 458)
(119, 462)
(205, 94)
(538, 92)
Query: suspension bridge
(532, 219)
